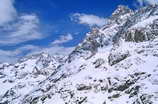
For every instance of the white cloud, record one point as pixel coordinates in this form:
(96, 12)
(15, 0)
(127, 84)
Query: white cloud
(26, 28)
(14, 55)
(63, 39)
(146, 2)
(88, 19)
(8, 56)
(52, 50)
(7, 11)
(16, 28)
(11, 56)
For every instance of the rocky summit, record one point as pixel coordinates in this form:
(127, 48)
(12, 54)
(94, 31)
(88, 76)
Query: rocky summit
(114, 64)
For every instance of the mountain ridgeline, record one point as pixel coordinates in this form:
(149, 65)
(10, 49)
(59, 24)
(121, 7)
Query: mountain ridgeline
(114, 64)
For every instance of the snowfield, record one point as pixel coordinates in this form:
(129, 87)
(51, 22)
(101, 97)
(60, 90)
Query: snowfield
(115, 64)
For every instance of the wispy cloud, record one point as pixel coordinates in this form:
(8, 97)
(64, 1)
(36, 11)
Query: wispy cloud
(53, 50)
(88, 19)
(27, 28)
(7, 11)
(63, 39)
(147, 2)
(15, 30)
(11, 56)
(8, 56)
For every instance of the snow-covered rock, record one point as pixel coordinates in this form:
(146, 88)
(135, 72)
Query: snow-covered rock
(19, 79)
(115, 64)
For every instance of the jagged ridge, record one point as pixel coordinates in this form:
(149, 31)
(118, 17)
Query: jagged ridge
(115, 64)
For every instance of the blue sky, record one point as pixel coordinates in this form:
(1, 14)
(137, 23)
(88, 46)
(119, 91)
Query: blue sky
(53, 26)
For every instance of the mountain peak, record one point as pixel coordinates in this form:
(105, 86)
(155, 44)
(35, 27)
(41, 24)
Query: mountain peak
(121, 10)
(125, 72)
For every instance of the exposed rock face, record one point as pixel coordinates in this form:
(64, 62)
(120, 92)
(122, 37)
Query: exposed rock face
(117, 55)
(99, 62)
(115, 64)
(121, 14)
(101, 37)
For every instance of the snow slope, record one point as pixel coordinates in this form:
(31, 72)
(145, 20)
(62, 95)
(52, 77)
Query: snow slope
(115, 64)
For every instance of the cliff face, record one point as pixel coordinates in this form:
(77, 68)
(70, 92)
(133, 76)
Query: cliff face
(115, 64)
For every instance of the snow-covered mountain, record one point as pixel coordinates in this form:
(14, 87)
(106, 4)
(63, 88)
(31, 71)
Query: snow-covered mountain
(23, 76)
(115, 64)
